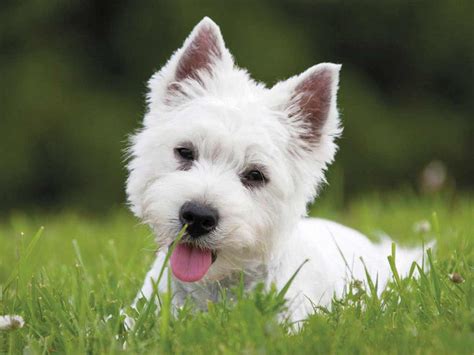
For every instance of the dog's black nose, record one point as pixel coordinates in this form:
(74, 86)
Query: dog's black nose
(200, 218)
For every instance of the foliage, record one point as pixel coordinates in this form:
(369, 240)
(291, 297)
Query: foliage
(70, 280)
(73, 75)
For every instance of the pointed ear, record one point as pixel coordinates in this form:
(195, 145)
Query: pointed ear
(200, 51)
(199, 57)
(309, 103)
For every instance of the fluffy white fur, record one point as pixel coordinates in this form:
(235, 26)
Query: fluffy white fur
(234, 122)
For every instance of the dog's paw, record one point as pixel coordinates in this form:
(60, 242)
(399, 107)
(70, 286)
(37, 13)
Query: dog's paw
(128, 322)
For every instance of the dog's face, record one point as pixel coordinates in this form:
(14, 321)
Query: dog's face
(235, 161)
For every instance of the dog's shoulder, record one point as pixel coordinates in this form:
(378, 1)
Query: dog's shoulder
(326, 229)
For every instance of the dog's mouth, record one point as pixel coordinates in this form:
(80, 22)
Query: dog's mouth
(190, 263)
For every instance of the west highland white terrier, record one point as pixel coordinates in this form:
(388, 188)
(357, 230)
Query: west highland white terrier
(238, 163)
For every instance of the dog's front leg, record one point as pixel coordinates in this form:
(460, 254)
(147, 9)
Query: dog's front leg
(150, 286)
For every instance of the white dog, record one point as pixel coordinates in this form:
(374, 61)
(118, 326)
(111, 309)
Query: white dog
(238, 163)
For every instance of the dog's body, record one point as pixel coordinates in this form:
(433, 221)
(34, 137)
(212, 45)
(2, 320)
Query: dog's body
(238, 163)
(333, 253)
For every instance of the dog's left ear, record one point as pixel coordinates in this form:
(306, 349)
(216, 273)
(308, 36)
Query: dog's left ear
(309, 104)
(200, 57)
(201, 52)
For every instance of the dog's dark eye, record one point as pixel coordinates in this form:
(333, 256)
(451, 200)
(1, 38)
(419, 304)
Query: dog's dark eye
(185, 153)
(254, 177)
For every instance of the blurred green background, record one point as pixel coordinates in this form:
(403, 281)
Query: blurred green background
(73, 77)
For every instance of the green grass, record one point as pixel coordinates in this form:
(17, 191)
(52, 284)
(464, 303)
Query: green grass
(68, 277)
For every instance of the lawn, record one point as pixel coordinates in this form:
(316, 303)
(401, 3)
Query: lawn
(70, 279)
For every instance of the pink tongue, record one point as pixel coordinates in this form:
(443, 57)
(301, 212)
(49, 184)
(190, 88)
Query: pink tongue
(190, 264)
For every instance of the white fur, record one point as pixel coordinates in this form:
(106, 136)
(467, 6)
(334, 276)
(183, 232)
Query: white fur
(234, 122)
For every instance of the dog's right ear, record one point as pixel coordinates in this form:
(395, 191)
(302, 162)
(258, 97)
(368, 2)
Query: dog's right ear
(308, 101)
(202, 53)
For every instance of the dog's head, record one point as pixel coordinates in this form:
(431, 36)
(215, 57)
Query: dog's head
(234, 160)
